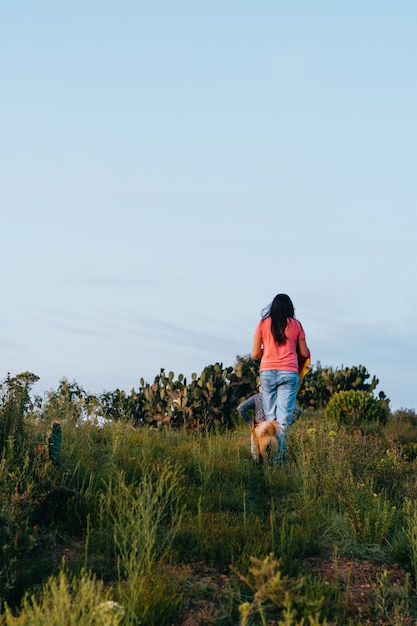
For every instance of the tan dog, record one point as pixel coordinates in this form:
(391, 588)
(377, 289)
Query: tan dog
(265, 438)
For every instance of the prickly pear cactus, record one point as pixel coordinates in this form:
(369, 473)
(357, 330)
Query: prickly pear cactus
(321, 384)
(54, 444)
(207, 401)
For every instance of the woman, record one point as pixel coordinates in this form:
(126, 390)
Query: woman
(280, 342)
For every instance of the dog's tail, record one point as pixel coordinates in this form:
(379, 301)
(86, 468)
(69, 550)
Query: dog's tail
(266, 440)
(269, 430)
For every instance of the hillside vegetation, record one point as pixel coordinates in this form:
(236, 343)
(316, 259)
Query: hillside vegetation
(147, 508)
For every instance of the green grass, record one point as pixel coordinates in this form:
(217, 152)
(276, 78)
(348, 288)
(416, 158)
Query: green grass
(129, 508)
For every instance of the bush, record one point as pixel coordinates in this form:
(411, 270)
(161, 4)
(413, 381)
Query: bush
(353, 408)
(70, 600)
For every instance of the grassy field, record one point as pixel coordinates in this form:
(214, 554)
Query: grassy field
(166, 527)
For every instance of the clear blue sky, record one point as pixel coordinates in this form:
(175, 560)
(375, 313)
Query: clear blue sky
(168, 167)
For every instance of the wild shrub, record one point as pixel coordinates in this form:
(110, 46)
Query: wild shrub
(268, 596)
(410, 532)
(352, 408)
(68, 402)
(144, 519)
(15, 402)
(70, 600)
(390, 470)
(370, 513)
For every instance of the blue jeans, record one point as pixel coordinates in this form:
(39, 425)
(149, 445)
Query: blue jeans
(279, 390)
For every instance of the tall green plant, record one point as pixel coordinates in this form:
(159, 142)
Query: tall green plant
(68, 600)
(69, 402)
(146, 518)
(138, 513)
(371, 514)
(274, 596)
(410, 528)
(15, 402)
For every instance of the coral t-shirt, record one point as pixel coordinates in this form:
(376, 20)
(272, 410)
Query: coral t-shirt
(277, 357)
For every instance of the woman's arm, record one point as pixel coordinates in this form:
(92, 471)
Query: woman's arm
(302, 349)
(257, 347)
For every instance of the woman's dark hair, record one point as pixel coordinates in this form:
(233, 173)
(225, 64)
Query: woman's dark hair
(281, 309)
